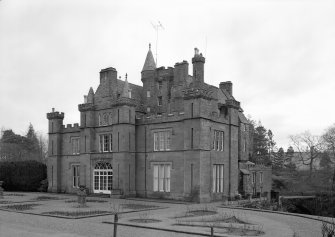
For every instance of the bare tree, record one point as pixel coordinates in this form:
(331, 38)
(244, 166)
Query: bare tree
(308, 147)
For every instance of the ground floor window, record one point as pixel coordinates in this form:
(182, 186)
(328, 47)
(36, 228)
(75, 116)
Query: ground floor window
(218, 178)
(103, 177)
(75, 176)
(162, 177)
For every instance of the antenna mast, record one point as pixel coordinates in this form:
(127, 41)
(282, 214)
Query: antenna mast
(157, 27)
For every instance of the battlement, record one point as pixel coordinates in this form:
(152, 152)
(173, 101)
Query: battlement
(125, 101)
(159, 118)
(55, 115)
(70, 128)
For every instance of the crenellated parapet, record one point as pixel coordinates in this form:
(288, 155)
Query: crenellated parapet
(86, 107)
(159, 118)
(70, 128)
(55, 115)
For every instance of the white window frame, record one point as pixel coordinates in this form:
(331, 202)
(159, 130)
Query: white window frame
(162, 140)
(162, 177)
(103, 178)
(75, 175)
(75, 145)
(218, 178)
(106, 142)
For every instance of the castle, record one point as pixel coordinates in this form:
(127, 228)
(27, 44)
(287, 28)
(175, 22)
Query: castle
(175, 137)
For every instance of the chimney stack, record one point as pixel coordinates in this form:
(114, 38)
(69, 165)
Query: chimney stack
(228, 86)
(198, 62)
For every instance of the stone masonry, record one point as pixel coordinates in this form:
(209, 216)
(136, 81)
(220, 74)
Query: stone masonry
(174, 137)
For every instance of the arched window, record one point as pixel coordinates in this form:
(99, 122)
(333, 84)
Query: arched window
(103, 177)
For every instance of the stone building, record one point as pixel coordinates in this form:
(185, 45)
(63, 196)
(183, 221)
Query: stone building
(173, 137)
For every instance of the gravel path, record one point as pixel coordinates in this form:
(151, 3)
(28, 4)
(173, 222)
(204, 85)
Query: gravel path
(301, 226)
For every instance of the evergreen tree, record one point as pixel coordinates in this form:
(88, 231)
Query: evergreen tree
(278, 160)
(261, 145)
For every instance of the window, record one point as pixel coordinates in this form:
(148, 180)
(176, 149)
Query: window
(162, 140)
(243, 127)
(110, 119)
(161, 182)
(253, 177)
(160, 101)
(218, 143)
(218, 178)
(105, 119)
(105, 142)
(160, 85)
(148, 109)
(75, 173)
(148, 94)
(261, 177)
(103, 177)
(244, 145)
(99, 120)
(129, 93)
(75, 145)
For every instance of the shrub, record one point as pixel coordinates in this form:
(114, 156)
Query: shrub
(22, 175)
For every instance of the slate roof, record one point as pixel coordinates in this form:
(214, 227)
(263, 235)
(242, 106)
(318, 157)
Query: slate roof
(149, 64)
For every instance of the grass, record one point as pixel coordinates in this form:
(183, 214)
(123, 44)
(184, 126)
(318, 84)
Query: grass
(88, 200)
(21, 207)
(134, 206)
(204, 210)
(46, 198)
(76, 213)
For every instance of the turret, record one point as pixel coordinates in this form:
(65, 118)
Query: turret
(198, 62)
(148, 79)
(55, 121)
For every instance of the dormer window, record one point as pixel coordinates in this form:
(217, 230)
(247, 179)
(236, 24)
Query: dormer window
(148, 94)
(129, 93)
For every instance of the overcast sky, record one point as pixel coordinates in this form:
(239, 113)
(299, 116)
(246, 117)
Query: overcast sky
(280, 55)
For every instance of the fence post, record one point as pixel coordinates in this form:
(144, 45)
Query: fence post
(116, 219)
(212, 231)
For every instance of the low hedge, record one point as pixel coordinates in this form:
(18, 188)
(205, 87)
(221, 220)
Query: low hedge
(22, 175)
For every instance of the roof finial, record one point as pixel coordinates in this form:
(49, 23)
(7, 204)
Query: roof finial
(149, 46)
(126, 76)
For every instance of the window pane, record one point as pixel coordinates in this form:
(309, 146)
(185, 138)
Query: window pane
(155, 178)
(161, 178)
(221, 178)
(167, 178)
(214, 178)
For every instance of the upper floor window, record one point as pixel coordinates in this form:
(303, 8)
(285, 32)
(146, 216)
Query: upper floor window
(129, 93)
(75, 145)
(99, 119)
(261, 177)
(148, 94)
(253, 177)
(243, 127)
(105, 142)
(244, 145)
(162, 140)
(160, 85)
(160, 101)
(218, 141)
(110, 119)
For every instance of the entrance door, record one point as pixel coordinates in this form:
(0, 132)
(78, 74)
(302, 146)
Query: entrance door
(103, 178)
